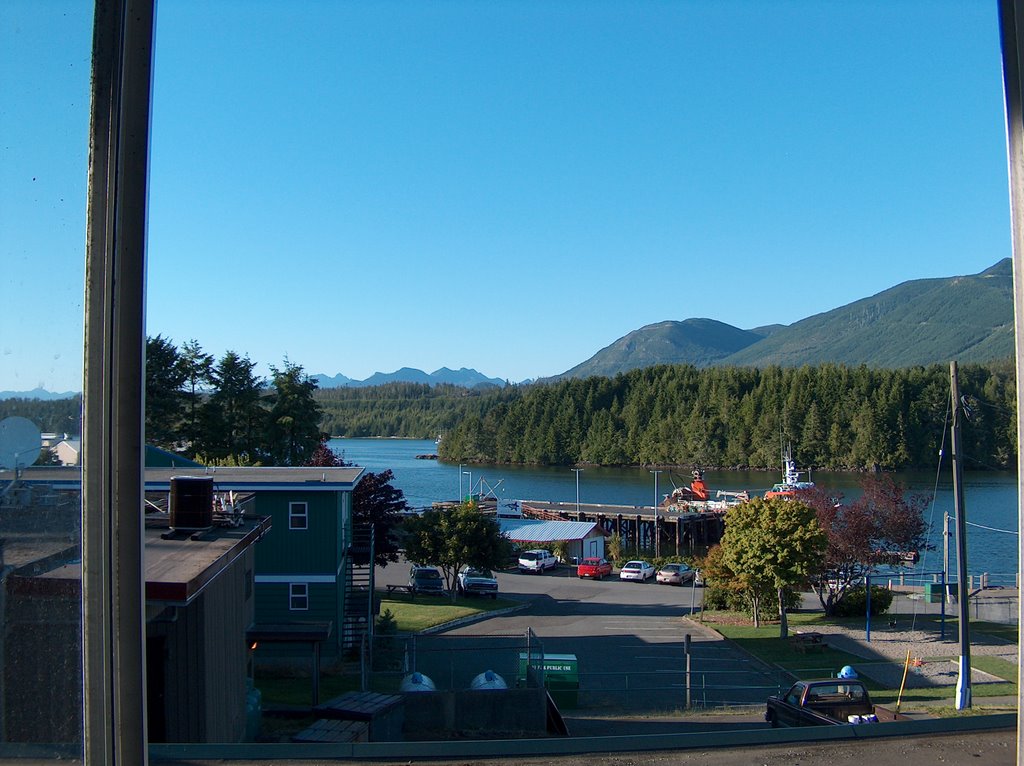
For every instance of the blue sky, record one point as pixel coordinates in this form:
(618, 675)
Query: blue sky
(510, 186)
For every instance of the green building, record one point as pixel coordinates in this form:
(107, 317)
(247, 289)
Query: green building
(308, 591)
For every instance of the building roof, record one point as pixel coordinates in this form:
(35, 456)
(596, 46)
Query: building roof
(156, 457)
(535, 531)
(177, 566)
(244, 478)
(251, 478)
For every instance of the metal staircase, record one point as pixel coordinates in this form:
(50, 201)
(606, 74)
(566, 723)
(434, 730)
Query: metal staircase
(360, 608)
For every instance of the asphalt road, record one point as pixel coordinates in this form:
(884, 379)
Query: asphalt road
(628, 639)
(629, 631)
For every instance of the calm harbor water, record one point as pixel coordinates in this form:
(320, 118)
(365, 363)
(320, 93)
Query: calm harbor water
(990, 497)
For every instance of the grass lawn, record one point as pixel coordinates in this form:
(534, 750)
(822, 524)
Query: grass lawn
(764, 644)
(299, 691)
(410, 617)
(428, 611)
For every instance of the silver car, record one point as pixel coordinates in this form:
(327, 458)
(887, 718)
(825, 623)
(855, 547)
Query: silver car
(478, 582)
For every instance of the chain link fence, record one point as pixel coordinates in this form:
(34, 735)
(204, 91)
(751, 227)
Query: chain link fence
(710, 679)
(452, 662)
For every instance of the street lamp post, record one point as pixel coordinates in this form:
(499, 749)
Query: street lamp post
(657, 534)
(460, 482)
(577, 472)
(470, 474)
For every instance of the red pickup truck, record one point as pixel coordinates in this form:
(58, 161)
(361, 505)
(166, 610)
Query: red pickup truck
(593, 567)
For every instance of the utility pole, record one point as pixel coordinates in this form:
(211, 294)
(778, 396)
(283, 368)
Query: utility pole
(657, 532)
(577, 472)
(963, 684)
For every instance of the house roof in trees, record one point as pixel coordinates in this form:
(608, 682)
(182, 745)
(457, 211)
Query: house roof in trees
(536, 531)
(157, 457)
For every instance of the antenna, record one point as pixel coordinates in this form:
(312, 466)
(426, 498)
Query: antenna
(20, 442)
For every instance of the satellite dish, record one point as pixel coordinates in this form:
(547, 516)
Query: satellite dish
(20, 442)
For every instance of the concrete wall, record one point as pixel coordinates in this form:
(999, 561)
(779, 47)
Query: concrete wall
(435, 715)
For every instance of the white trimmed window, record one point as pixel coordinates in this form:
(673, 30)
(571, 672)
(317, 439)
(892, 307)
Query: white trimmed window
(298, 596)
(298, 515)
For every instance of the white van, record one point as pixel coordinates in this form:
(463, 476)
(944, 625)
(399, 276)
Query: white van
(536, 561)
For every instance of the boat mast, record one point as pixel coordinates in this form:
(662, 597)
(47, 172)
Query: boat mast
(963, 684)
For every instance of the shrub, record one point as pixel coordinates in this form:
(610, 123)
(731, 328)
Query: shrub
(388, 653)
(717, 597)
(854, 601)
(613, 550)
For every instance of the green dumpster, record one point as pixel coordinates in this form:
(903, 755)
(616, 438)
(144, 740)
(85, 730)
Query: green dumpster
(561, 677)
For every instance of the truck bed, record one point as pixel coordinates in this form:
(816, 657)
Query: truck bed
(825, 703)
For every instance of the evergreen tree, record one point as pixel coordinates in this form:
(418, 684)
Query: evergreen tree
(164, 397)
(293, 423)
(197, 371)
(233, 417)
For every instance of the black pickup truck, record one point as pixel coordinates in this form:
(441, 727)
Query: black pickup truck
(827, 703)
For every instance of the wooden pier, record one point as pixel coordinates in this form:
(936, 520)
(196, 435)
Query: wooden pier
(637, 525)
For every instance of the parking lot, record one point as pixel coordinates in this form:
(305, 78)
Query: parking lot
(628, 639)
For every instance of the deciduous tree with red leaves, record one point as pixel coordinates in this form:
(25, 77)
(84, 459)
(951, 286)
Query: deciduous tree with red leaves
(376, 503)
(880, 528)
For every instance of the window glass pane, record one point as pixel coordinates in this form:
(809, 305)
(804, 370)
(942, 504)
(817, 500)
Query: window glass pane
(298, 517)
(45, 60)
(325, 175)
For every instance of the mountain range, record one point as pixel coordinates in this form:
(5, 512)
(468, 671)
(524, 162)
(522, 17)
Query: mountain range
(920, 322)
(38, 393)
(464, 377)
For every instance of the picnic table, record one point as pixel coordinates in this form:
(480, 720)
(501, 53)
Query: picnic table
(808, 641)
(326, 730)
(357, 706)
(381, 714)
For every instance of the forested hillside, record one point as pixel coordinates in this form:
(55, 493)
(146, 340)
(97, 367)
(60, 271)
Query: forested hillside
(414, 410)
(920, 322)
(835, 417)
(57, 416)
(700, 342)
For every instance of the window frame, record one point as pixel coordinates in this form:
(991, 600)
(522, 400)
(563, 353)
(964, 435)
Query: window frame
(298, 591)
(294, 516)
(113, 657)
(113, 650)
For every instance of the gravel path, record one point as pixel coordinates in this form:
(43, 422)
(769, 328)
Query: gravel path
(885, 654)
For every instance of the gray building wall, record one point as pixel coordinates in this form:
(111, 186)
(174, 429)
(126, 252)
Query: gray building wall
(199, 661)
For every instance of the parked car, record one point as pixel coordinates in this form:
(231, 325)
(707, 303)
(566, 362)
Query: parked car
(636, 570)
(828, 702)
(676, 574)
(478, 582)
(536, 561)
(425, 580)
(594, 567)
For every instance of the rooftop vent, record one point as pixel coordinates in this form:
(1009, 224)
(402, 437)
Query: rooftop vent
(191, 503)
